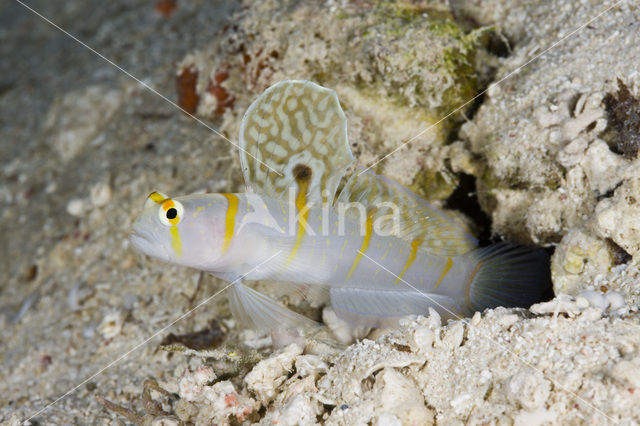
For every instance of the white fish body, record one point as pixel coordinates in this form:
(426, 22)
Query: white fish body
(397, 255)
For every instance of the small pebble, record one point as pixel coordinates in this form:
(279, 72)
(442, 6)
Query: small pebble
(111, 324)
(435, 320)
(76, 207)
(204, 375)
(453, 336)
(51, 188)
(89, 331)
(508, 320)
(423, 338)
(528, 388)
(100, 195)
(615, 300)
(307, 365)
(582, 302)
(475, 320)
(595, 299)
(591, 314)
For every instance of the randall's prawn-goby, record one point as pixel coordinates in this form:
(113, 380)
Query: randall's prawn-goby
(380, 251)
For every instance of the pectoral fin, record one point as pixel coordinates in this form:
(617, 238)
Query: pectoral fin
(255, 310)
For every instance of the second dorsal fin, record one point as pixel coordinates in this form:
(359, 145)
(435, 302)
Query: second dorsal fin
(420, 222)
(295, 136)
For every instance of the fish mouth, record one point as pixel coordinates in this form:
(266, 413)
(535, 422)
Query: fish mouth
(137, 237)
(144, 242)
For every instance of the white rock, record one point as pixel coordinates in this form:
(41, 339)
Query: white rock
(190, 384)
(528, 388)
(476, 319)
(204, 375)
(302, 409)
(586, 112)
(561, 304)
(215, 402)
(537, 417)
(434, 318)
(51, 187)
(224, 401)
(16, 420)
(595, 299)
(111, 324)
(616, 300)
(344, 331)
(598, 163)
(422, 338)
(165, 421)
(387, 419)
(582, 302)
(453, 335)
(507, 320)
(461, 403)
(573, 152)
(547, 118)
(618, 217)
(307, 365)
(591, 314)
(77, 207)
(493, 90)
(579, 259)
(399, 395)
(265, 378)
(100, 194)
(628, 371)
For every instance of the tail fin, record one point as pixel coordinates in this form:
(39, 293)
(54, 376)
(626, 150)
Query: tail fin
(509, 275)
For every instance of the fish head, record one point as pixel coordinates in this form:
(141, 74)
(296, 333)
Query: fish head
(187, 230)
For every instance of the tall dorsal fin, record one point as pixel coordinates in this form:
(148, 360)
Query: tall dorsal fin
(420, 222)
(298, 129)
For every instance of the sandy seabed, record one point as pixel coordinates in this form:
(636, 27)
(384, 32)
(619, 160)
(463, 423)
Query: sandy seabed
(550, 150)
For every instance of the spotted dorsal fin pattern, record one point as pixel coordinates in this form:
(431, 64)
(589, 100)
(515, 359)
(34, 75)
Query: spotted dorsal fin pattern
(424, 225)
(298, 130)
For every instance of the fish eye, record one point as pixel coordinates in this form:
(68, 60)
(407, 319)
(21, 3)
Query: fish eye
(170, 212)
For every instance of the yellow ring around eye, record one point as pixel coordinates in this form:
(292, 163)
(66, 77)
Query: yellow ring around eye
(167, 217)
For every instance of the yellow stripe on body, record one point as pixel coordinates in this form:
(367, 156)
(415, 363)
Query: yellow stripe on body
(446, 269)
(303, 211)
(471, 277)
(230, 220)
(412, 257)
(344, 245)
(365, 244)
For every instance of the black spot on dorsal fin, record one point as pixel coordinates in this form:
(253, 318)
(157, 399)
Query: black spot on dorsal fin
(302, 172)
